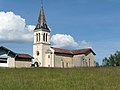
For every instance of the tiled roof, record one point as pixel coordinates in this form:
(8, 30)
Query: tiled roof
(83, 51)
(73, 52)
(59, 50)
(24, 56)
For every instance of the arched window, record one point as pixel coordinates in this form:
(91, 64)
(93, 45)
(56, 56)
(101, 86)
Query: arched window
(39, 36)
(62, 64)
(36, 37)
(67, 65)
(36, 64)
(83, 62)
(44, 37)
(89, 62)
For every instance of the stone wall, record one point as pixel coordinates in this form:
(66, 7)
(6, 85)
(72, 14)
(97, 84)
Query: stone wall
(21, 64)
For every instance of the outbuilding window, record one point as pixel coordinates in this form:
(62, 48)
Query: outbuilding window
(3, 60)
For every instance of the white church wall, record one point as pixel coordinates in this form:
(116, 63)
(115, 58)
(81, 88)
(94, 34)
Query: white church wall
(78, 60)
(90, 60)
(41, 46)
(37, 57)
(44, 55)
(49, 58)
(53, 57)
(63, 61)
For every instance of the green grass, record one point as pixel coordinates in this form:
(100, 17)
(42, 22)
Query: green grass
(105, 78)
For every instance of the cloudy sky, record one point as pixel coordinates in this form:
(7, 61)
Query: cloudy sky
(75, 24)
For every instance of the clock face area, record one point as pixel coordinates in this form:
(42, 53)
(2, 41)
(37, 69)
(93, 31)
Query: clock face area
(38, 53)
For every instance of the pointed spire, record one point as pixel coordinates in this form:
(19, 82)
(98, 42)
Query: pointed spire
(42, 21)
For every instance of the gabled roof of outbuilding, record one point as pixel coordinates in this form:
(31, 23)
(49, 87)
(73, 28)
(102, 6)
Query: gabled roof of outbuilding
(17, 54)
(4, 48)
(73, 52)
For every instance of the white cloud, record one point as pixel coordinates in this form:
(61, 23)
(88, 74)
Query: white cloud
(85, 44)
(67, 42)
(13, 28)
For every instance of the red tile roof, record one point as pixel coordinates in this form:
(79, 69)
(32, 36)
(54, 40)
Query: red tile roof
(24, 56)
(73, 52)
(59, 50)
(83, 51)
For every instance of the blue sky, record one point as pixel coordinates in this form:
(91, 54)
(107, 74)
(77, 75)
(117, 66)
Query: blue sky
(96, 22)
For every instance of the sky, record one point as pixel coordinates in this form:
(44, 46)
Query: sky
(74, 24)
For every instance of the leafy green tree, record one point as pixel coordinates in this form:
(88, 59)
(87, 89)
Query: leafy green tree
(112, 60)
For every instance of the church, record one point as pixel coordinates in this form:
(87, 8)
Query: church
(47, 56)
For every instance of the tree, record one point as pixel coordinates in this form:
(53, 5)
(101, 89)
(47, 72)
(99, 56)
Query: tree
(112, 60)
(97, 64)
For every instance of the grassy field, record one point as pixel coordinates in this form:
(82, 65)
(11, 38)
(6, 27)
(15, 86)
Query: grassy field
(106, 78)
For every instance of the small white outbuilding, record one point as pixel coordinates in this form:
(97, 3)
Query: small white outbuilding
(11, 59)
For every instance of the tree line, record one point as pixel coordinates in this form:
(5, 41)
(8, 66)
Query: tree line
(112, 60)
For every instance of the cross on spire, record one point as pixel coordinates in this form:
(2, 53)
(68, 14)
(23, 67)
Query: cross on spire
(41, 2)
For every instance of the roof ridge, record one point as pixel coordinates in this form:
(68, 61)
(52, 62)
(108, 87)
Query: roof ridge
(22, 53)
(60, 48)
(73, 52)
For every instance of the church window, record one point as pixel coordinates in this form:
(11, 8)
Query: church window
(62, 64)
(83, 62)
(67, 65)
(89, 62)
(36, 37)
(39, 36)
(37, 53)
(48, 56)
(44, 37)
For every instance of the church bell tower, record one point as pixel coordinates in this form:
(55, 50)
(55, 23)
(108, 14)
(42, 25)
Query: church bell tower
(41, 40)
